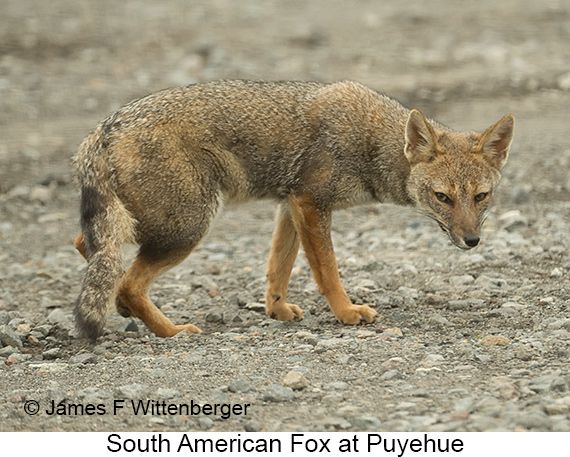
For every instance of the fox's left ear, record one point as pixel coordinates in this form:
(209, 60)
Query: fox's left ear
(496, 141)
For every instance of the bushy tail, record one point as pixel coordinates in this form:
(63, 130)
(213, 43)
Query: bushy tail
(106, 226)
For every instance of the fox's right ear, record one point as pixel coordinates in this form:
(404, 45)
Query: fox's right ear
(421, 139)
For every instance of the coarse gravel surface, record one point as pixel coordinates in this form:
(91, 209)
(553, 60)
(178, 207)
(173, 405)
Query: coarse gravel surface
(465, 341)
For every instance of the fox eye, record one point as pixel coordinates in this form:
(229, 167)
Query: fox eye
(443, 198)
(480, 197)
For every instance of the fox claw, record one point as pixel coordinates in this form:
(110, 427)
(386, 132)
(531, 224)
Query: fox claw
(288, 312)
(356, 314)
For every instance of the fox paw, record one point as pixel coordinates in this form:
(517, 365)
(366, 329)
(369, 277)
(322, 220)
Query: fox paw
(187, 328)
(122, 309)
(287, 312)
(355, 314)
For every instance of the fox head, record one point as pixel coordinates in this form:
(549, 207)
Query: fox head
(454, 174)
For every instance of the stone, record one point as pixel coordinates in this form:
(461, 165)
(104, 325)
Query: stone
(466, 404)
(295, 380)
(56, 393)
(252, 426)
(7, 351)
(83, 358)
(393, 332)
(94, 395)
(495, 340)
(8, 337)
(555, 409)
(58, 316)
(51, 354)
(512, 220)
(257, 307)
(241, 386)
(336, 385)
(533, 420)
(276, 393)
(508, 391)
(205, 423)
(132, 391)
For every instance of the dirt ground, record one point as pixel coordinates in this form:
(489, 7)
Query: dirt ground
(470, 341)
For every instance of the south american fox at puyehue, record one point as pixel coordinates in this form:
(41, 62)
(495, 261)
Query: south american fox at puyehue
(157, 171)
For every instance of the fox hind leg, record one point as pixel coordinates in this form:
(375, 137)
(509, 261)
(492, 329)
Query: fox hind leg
(133, 291)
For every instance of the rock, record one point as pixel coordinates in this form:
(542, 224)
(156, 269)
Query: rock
(276, 393)
(365, 423)
(94, 395)
(132, 392)
(214, 316)
(548, 383)
(205, 282)
(335, 423)
(42, 194)
(11, 360)
(461, 280)
(205, 423)
(56, 393)
(525, 353)
(241, 386)
(131, 326)
(7, 351)
(24, 328)
(434, 358)
(459, 305)
(564, 81)
(512, 220)
(4, 317)
(8, 337)
(390, 374)
(393, 332)
(252, 426)
(495, 340)
(493, 284)
(51, 354)
(84, 358)
(464, 405)
(508, 391)
(336, 385)
(307, 336)
(364, 334)
(257, 307)
(166, 393)
(555, 409)
(439, 320)
(295, 380)
(533, 420)
(58, 316)
(330, 343)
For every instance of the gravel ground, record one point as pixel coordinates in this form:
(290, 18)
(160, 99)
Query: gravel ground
(466, 341)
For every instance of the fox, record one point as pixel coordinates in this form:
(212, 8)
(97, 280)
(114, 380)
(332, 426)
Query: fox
(157, 171)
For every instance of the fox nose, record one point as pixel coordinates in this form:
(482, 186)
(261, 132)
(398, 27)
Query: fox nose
(471, 240)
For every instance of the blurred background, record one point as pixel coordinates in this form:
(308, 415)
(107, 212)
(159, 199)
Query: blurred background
(65, 65)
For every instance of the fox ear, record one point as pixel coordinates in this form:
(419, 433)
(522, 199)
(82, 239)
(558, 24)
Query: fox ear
(496, 141)
(421, 140)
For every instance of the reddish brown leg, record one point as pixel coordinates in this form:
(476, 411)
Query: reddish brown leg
(284, 249)
(134, 294)
(314, 228)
